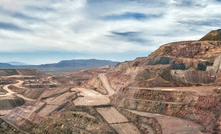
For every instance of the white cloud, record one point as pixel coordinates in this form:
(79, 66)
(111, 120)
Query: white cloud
(80, 25)
(10, 5)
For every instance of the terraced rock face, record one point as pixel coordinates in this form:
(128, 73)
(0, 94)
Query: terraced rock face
(10, 102)
(185, 63)
(198, 104)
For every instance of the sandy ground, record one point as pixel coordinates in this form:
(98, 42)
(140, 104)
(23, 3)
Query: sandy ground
(93, 98)
(106, 84)
(200, 90)
(60, 99)
(117, 121)
(18, 76)
(47, 109)
(172, 125)
(111, 115)
(126, 128)
(90, 98)
(54, 102)
(4, 112)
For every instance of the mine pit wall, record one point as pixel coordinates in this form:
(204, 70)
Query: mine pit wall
(154, 95)
(205, 110)
(96, 84)
(187, 76)
(214, 70)
(142, 122)
(167, 96)
(11, 103)
(28, 111)
(190, 68)
(158, 76)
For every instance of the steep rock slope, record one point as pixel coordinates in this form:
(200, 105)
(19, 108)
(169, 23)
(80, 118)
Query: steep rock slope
(175, 64)
(179, 79)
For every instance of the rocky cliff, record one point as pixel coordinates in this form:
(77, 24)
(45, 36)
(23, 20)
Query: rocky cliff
(175, 64)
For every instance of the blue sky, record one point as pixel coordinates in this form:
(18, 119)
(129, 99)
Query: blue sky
(47, 31)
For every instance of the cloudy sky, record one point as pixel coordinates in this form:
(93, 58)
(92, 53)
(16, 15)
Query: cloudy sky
(47, 31)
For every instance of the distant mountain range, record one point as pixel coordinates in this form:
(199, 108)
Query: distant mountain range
(63, 66)
(16, 63)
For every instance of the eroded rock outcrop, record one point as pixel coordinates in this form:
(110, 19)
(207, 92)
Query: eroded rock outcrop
(175, 64)
(10, 102)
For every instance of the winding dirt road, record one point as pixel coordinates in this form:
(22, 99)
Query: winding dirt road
(106, 84)
(10, 92)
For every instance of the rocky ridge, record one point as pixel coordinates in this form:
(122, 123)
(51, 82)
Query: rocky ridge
(214, 35)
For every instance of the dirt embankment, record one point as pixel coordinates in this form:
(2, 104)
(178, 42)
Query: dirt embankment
(96, 84)
(9, 103)
(72, 119)
(188, 63)
(198, 104)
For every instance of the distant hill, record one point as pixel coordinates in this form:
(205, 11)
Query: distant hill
(16, 63)
(66, 66)
(63, 66)
(80, 63)
(8, 72)
(214, 35)
(5, 65)
(32, 72)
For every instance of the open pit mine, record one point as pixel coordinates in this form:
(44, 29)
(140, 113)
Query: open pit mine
(175, 90)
